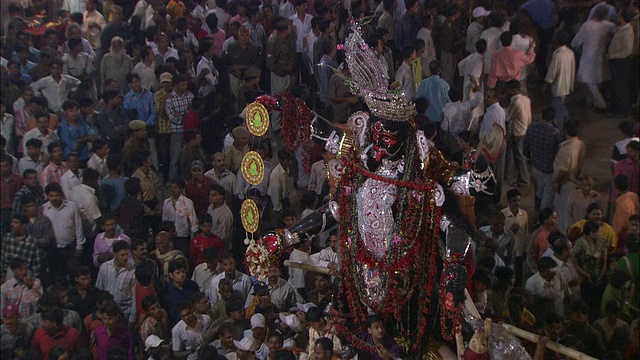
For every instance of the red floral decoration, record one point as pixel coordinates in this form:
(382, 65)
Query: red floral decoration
(415, 237)
(296, 126)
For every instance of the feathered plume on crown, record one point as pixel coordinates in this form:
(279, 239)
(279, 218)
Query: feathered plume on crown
(370, 80)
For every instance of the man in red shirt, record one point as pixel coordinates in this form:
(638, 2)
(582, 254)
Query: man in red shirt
(507, 62)
(203, 241)
(53, 333)
(9, 186)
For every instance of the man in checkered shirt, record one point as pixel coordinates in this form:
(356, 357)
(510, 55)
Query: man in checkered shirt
(541, 144)
(177, 105)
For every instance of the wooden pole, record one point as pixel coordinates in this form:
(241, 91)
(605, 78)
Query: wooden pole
(560, 349)
(301, 266)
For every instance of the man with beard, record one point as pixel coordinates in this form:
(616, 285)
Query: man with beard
(116, 64)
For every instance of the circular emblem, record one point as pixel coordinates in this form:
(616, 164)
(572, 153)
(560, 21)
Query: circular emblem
(252, 168)
(257, 119)
(250, 216)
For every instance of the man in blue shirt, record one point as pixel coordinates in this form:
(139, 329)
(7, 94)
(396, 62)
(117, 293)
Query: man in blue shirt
(179, 289)
(74, 133)
(436, 90)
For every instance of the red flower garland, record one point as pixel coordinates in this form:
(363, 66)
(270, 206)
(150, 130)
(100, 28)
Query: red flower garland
(296, 127)
(419, 233)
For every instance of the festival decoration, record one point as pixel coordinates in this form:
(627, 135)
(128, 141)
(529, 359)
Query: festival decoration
(252, 168)
(250, 216)
(257, 119)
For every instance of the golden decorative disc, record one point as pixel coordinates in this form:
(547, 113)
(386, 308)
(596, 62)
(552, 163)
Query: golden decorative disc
(250, 215)
(257, 119)
(252, 168)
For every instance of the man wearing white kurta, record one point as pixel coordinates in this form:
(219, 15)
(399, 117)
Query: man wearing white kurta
(594, 37)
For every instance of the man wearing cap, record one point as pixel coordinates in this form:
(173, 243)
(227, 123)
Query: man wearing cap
(12, 330)
(249, 87)
(176, 106)
(191, 152)
(283, 295)
(136, 143)
(163, 125)
(259, 335)
(246, 349)
(112, 120)
(475, 28)
(546, 287)
(259, 301)
(289, 326)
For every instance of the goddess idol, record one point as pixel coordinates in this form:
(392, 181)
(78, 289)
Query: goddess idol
(403, 236)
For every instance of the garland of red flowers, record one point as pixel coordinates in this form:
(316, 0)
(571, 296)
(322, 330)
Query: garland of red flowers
(416, 226)
(450, 311)
(296, 126)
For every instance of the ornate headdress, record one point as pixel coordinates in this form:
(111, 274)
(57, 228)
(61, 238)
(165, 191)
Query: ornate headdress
(370, 80)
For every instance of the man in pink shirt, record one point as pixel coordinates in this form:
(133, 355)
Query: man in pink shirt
(506, 62)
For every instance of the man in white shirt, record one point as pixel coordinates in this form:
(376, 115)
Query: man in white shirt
(41, 132)
(240, 282)
(517, 220)
(405, 74)
(33, 157)
(287, 10)
(206, 69)
(145, 69)
(471, 68)
(221, 175)
(190, 333)
(98, 161)
(475, 28)
(518, 121)
(562, 252)
(221, 215)
(204, 272)
(546, 286)
(117, 276)
(283, 295)
(163, 51)
(85, 198)
(67, 229)
(300, 254)
(55, 87)
(71, 178)
(280, 183)
(328, 257)
(561, 76)
(521, 42)
(457, 118)
(73, 6)
(301, 23)
(318, 174)
(492, 36)
(91, 15)
(620, 62)
(493, 131)
(179, 209)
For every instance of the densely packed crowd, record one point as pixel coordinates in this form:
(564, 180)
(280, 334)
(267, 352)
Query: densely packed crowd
(122, 141)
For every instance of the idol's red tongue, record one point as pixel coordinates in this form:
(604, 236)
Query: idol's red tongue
(379, 155)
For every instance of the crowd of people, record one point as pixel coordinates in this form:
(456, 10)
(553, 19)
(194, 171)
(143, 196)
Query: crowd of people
(123, 137)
